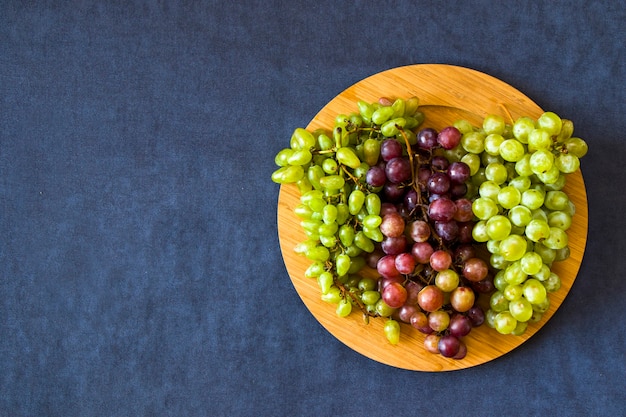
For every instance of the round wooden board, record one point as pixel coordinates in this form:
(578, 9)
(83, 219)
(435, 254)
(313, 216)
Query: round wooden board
(447, 93)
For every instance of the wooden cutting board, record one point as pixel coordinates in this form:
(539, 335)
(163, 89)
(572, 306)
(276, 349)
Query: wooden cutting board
(446, 93)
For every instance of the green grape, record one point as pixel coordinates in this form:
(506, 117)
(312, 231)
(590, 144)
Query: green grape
(314, 270)
(344, 308)
(493, 123)
(513, 247)
(479, 232)
(567, 163)
(332, 182)
(576, 146)
(567, 129)
(496, 172)
(543, 274)
(305, 245)
(365, 110)
(505, 323)
(513, 274)
(346, 156)
(343, 213)
(392, 331)
(557, 239)
(550, 122)
(562, 254)
(303, 211)
(282, 157)
(553, 283)
(512, 293)
(558, 184)
(330, 166)
(342, 264)
(537, 230)
(498, 302)
(521, 183)
(367, 284)
(484, 208)
(547, 254)
(472, 161)
(492, 144)
(363, 242)
(346, 235)
(371, 151)
(498, 227)
(556, 200)
(512, 150)
(531, 263)
(560, 219)
(370, 297)
(509, 197)
(447, 280)
(372, 221)
(493, 246)
(534, 291)
(521, 309)
(473, 142)
(356, 264)
(382, 114)
(356, 201)
(489, 189)
(541, 161)
(490, 317)
(328, 241)
(522, 128)
(325, 281)
(324, 143)
(373, 204)
(383, 308)
(300, 157)
(302, 139)
(533, 199)
(520, 215)
(497, 261)
(390, 127)
(539, 139)
(411, 105)
(463, 125)
(551, 176)
(333, 296)
(318, 253)
(373, 233)
(304, 185)
(329, 214)
(522, 167)
(314, 173)
(288, 174)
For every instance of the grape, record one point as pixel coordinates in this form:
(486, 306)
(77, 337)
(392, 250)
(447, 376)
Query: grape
(476, 316)
(422, 251)
(459, 172)
(394, 245)
(392, 331)
(394, 295)
(390, 149)
(449, 345)
(405, 263)
(438, 183)
(462, 299)
(430, 298)
(392, 225)
(475, 269)
(438, 320)
(427, 138)
(442, 210)
(376, 176)
(398, 170)
(449, 137)
(439, 163)
(447, 280)
(460, 325)
(419, 230)
(386, 266)
(419, 321)
(504, 322)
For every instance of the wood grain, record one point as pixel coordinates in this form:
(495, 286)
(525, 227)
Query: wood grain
(446, 93)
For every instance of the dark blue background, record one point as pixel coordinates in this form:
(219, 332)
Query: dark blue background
(140, 272)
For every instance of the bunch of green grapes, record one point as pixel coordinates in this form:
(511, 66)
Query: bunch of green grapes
(518, 172)
(340, 212)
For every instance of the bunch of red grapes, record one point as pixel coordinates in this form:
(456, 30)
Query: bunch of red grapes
(430, 271)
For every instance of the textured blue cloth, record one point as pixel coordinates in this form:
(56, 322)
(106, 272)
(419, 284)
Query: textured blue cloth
(140, 272)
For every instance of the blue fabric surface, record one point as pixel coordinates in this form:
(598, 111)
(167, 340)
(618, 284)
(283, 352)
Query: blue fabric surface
(140, 272)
